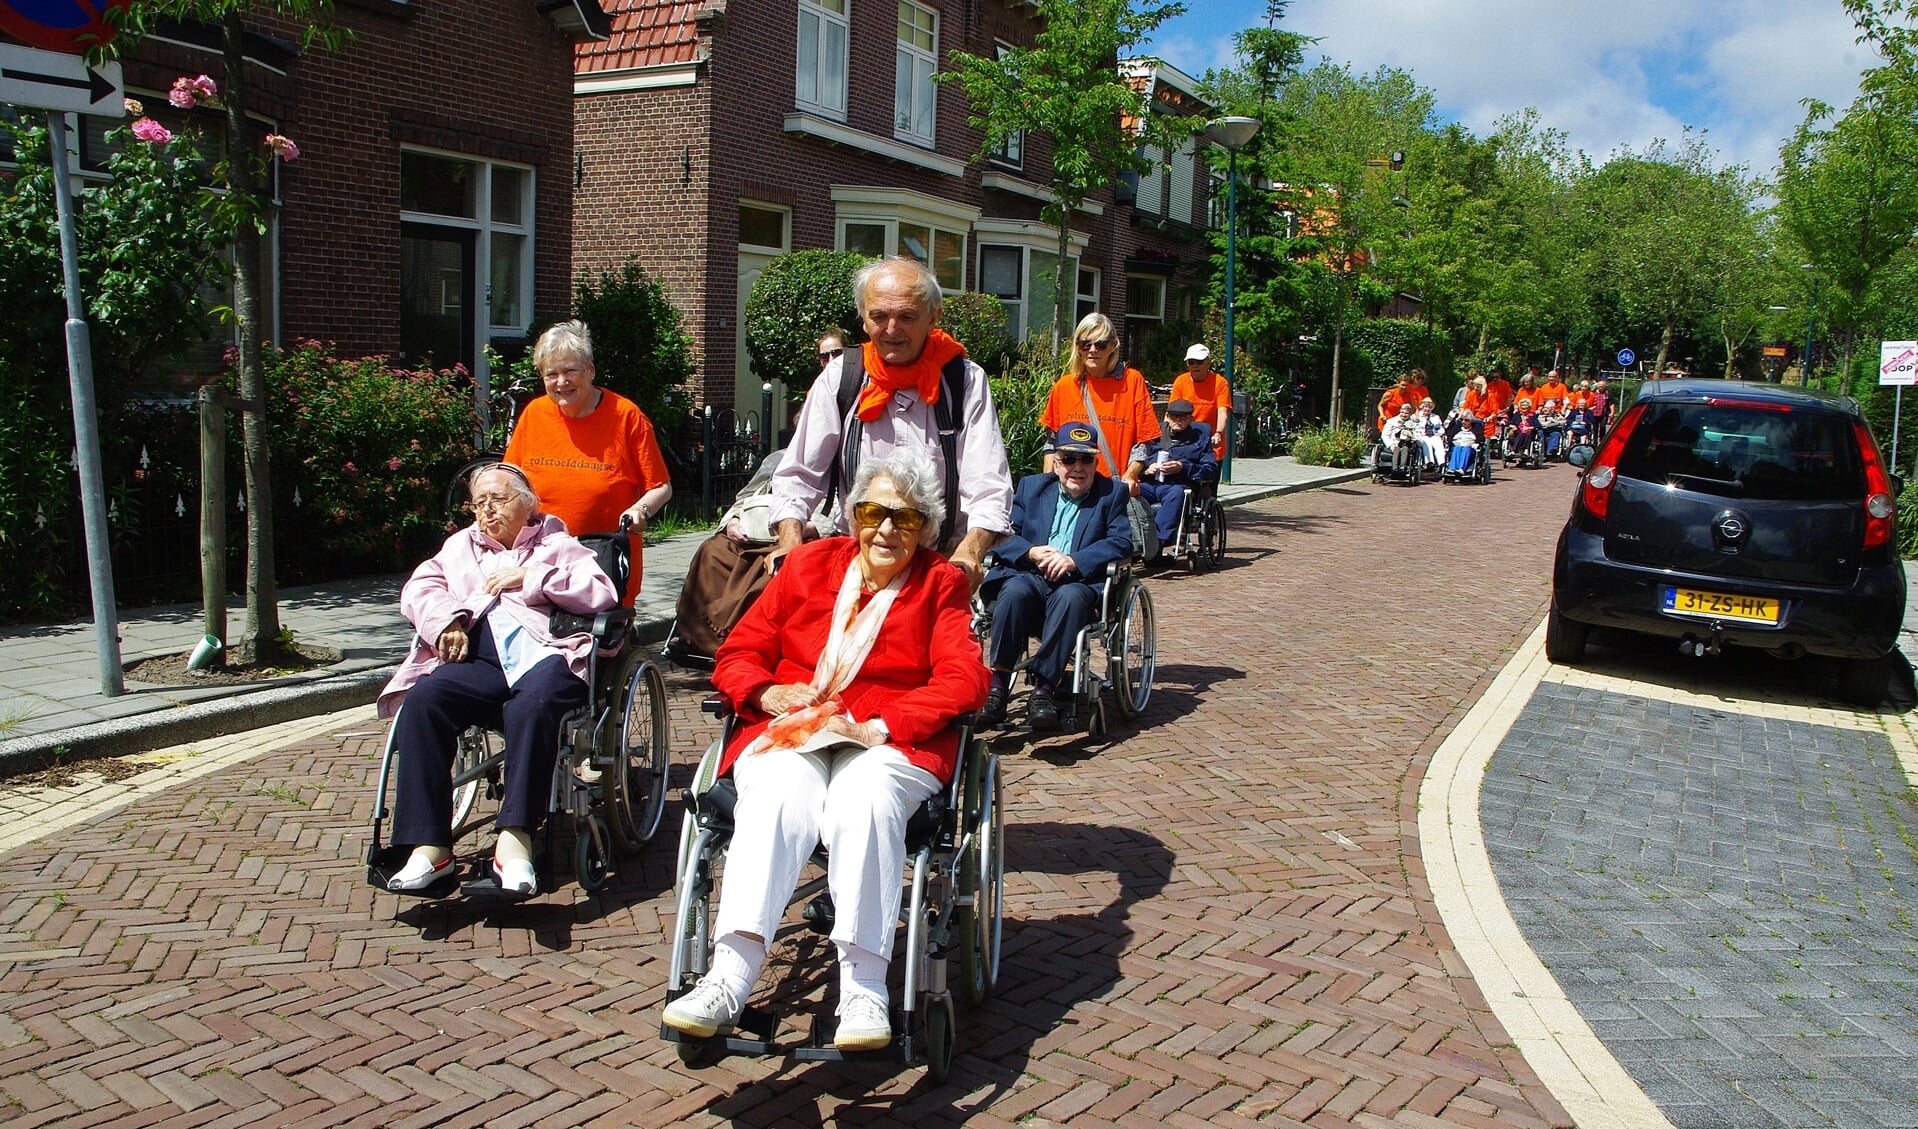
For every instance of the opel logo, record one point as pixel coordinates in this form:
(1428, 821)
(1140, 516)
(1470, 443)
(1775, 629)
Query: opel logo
(1731, 528)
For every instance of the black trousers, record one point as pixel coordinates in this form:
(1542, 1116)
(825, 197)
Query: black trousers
(441, 706)
(1029, 605)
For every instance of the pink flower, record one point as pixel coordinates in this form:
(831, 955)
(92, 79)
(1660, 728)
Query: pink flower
(349, 470)
(393, 464)
(206, 88)
(132, 106)
(190, 92)
(146, 129)
(282, 147)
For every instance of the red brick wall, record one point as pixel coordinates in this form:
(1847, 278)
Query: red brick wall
(488, 79)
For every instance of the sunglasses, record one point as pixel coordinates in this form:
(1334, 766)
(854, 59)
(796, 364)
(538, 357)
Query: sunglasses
(1095, 346)
(871, 515)
(1078, 459)
(829, 354)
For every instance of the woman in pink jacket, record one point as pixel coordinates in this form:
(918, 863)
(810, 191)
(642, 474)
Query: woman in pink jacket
(482, 655)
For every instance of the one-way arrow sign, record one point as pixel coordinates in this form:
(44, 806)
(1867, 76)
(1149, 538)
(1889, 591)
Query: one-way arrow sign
(52, 80)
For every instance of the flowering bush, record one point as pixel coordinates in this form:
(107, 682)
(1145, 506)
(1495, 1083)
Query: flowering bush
(368, 448)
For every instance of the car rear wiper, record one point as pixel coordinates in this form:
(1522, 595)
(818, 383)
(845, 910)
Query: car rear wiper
(1716, 485)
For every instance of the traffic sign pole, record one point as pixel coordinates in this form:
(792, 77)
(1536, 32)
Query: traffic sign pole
(86, 424)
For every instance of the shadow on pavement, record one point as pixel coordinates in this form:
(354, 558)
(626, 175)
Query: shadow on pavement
(1737, 673)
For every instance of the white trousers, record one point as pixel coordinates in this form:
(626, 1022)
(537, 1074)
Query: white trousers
(854, 800)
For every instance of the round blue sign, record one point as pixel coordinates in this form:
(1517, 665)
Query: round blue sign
(69, 26)
(1626, 357)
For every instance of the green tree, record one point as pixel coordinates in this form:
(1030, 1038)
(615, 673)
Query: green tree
(239, 174)
(1068, 87)
(799, 298)
(639, 349)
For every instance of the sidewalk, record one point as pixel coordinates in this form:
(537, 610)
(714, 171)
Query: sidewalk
(50, 696)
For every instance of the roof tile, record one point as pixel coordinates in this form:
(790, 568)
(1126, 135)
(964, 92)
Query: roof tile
(646, 33)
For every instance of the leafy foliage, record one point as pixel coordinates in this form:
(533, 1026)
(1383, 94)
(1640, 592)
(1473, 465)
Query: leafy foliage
(639, 349)
(978, 321)
(800, 297)
(369, 447)
(1019, 396)
(1329, 446)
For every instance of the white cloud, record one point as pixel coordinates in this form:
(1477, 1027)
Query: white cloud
(1609, 75)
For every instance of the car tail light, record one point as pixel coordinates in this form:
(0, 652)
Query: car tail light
(1880, 506)
(1595, 493)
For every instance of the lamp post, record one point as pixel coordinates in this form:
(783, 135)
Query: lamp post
(1233, 133)
(1810, 321)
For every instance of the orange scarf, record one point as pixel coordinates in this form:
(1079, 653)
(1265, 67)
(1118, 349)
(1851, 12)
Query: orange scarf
(921, 376)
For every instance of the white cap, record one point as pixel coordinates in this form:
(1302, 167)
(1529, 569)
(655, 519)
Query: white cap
(1198, 353)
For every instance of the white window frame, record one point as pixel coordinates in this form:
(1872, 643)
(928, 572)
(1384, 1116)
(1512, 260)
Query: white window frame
(830, 29)
(889, 207)
(1028, 237)
(1010, 152)
(1087, 299)
(1159, 282)
(913, 67)
(483, 223)
(785, 227)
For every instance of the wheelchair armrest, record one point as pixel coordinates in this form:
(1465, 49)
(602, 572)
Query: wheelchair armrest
(606, 627)
(717, 705)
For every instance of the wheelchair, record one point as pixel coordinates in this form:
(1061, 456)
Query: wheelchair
(1401, 462)
(610, 777)
(1200, 542)
(1477, 470)
(955, 856)
(1119, 651)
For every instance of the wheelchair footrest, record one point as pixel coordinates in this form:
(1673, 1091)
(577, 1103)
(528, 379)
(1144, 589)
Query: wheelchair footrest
(820, 1049)
(752, 1035)
(382, 864)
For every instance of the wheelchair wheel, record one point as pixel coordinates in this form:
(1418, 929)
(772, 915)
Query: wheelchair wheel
(633, 784)
(979, 920)
(938, 1040)
(1132, 645)
(1212, 536)
(590, 850)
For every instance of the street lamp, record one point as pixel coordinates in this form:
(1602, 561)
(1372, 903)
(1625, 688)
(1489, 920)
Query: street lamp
(1233, 133)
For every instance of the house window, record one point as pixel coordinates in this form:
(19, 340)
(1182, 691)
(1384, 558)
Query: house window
(1215, 203)
(1145, 297)
(466, 245)
(880, 222)
(1024, 279)
(1011, 151)
(821, 57)
(914, 63)
(762, 226)
(1151, 194)
(1088, 293)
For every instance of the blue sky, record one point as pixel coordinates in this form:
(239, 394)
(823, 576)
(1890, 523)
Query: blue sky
(1619, 72)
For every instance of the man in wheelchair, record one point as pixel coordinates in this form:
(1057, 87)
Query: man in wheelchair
(1181, 457)
(1068, 526)
(845, 678)
(483, 654)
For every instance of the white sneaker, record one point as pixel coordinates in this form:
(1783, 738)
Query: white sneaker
(864, 1024)
(711, 1007)
(418, 874)
(516, 876)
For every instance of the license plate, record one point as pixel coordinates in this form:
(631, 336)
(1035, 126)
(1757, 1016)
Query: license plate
(1691, 601)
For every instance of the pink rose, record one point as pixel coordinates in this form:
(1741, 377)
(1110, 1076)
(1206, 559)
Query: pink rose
(146, 129)
(206, 88)
(392, 464)
(282, 147)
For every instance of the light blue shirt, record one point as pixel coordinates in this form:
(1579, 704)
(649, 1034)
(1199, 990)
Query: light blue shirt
(1065, 520)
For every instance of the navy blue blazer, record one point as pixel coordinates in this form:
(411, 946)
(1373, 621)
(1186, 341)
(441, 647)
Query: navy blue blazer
(1201, 465)
(1103, 535)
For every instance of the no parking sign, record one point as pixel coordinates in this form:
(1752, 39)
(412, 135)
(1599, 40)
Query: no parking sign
(1898, 362)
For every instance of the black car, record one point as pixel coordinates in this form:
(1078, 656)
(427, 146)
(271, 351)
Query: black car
(1721, 513)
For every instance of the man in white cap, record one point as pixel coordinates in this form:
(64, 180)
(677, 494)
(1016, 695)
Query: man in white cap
(1211, 397)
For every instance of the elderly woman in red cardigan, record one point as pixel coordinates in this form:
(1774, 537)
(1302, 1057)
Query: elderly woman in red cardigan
(847, 675)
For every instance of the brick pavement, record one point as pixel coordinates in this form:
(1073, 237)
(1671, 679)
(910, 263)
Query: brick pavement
(1219, 918)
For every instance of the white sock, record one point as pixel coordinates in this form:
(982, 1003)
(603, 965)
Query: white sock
(515, 845)
(737, 960)
(861, 971)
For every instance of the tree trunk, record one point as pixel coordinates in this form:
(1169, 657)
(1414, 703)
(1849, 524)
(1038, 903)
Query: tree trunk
(1338, 346)
(1062, 294)
(1484, 335)
(1664, 348)
(260, 641)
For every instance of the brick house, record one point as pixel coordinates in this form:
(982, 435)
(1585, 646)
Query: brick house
(715, 135)
(428, 214)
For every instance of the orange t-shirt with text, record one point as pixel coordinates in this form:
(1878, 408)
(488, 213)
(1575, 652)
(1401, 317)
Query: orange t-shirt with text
(1206, 402)
(1124, 404)
(588, 471)
(1553, 390)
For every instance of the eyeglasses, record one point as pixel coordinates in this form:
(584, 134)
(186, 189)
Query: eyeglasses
(905, 519)
(1095, 346)
(494, 501)
(1078, 459)
(828, 354)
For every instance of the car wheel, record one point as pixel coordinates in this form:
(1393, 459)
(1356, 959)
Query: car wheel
(1564, 638)
(1862, 681)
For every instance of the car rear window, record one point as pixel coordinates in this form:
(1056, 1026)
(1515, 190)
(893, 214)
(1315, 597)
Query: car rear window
(1746, 452)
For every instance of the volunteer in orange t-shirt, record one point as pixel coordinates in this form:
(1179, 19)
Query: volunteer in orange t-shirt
(591, 453)
(1210, 395)
(1554, 388)
(1122, 402)
(1395, 397)
(1498, 392)
(1418, 392)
